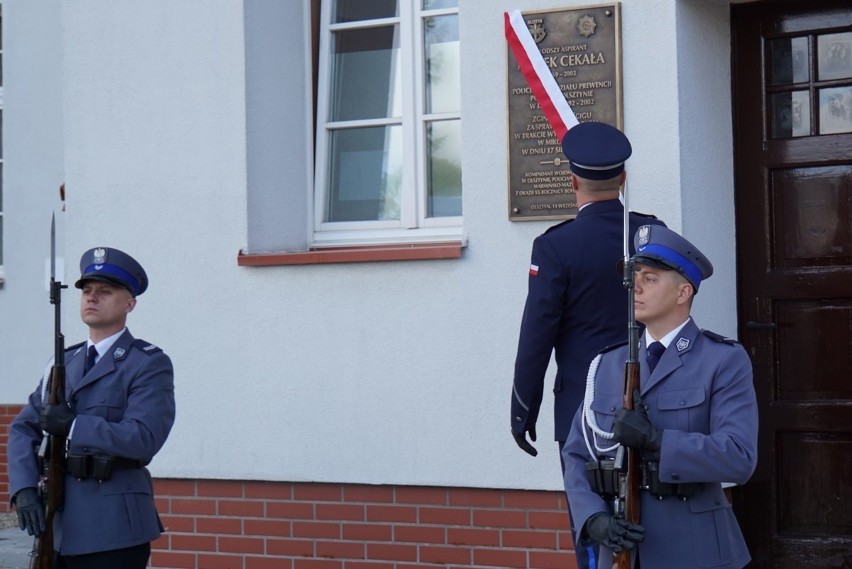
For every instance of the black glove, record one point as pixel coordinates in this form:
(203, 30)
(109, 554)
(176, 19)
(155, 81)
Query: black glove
(521, 439)
(57, 419)
(30, 511)
(613, 533)
(633, 429)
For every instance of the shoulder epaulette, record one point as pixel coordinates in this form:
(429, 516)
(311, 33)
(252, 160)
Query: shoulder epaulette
(549, 229)
(75, 346)
(611, 347)
(719, 338)
(146, 347)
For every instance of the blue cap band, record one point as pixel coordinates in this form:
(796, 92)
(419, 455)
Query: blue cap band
(123, 276)
(672, 257)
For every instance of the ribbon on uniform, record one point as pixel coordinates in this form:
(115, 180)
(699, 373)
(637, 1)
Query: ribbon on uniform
(538, 75)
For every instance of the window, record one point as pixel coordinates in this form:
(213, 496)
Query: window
(388, 144)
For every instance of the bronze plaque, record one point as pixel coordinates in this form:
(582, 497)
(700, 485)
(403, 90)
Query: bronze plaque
(582, 47)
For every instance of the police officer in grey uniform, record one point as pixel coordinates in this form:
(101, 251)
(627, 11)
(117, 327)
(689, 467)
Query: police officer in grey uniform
(117, 412)
(694, 423)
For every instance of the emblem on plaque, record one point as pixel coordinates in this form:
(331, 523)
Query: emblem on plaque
(99, 256)
(537, 31)
(644, 235)
(586, 26)
(682, 344)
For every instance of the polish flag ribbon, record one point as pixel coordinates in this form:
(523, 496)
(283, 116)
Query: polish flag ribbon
(538, 75)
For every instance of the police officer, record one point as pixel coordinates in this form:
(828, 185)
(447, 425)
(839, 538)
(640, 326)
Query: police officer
(694, 423)
(576, 303)
(117, 412)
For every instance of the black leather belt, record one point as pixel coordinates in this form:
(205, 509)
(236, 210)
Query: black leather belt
(99, 467)
(604, 479)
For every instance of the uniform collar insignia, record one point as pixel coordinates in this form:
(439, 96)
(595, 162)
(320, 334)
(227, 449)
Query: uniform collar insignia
(682, 344)
(118, 353)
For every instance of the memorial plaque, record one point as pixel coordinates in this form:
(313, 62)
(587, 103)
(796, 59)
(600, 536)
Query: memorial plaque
(582, 48)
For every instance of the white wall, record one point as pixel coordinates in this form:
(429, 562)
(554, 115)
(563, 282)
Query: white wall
(376, 372)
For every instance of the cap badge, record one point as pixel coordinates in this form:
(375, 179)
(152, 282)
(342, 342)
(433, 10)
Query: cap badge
(682, 344)
(644, 234)
(99, 255)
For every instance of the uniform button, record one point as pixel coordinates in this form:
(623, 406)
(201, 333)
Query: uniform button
(675, 476)
(104, 399)
(518, 419)
(612, 408)
(718, 502)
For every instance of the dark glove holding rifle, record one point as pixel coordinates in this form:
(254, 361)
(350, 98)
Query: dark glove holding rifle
(633, 429)
(30, 510)
(616, 534)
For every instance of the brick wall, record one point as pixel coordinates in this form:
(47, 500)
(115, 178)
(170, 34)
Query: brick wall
(264, 525)
(219, 524)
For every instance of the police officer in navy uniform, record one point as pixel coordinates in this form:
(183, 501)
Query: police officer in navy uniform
(118, 410)
(694, 423)
(576, 303)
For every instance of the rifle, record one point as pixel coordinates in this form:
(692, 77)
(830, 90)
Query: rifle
(627, 502)
(52, 449)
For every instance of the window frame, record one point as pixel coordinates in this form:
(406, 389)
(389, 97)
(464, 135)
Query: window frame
(413, 226)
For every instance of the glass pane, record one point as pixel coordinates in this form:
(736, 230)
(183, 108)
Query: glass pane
(365, 174)
(358, 10)
(443, 147)
(442, 64)
(835, 110)
(437, 4)
(791, 114)
(1, 240)
(366, 79)
(788, 61)
(835, 56)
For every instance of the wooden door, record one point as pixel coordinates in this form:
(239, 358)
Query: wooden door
(792, 81)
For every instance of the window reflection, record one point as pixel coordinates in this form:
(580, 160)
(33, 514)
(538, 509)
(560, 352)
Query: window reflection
(790, 114)
(835, 110)
(788, 61)
(834, 56)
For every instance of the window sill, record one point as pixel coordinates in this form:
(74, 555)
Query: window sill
(355, 254)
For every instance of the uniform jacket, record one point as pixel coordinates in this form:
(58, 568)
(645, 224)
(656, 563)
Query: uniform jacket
(125, 408)
(701, 394)
(576, 304)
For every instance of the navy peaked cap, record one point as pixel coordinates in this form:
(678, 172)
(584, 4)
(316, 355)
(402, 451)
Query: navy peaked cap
(114, 267)
(660, 247)
(596, 150)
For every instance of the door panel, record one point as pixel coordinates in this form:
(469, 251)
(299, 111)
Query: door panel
(792, 85)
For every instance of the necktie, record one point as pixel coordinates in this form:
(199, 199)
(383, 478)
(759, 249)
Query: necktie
(655, 350)
(90, 359)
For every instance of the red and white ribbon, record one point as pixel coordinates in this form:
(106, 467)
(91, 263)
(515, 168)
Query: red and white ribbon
(538, 75)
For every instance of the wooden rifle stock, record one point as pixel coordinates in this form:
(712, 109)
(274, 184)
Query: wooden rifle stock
(52, 450)
(630, 481)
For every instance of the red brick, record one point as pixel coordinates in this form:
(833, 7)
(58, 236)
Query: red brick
(499, 518)
(172, 487)
(348, 564)
(183, 524)
(340, 512)
(242, 508)
(367, 532)
(298, 547)
(268, 563)
(433, 554)
(475, 497)
(316, 564)
(269, 490)
(391, 514)
(220, 488)
(445, 516)
(420, 534)
(318, 492)
(340, 549)
(267, 528)
(219, 525)
(499, 558)
(373, 494)
(187, 542)
(469, 536)
(220, 561)
(172, 560)
(419, 495)
(316, 530)
(193, 506)
(565, 540)
(545, 560)
(241, 545)
(290, 510)
(531, 500)
(391, 552)
(549, 520)
(529, 539)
